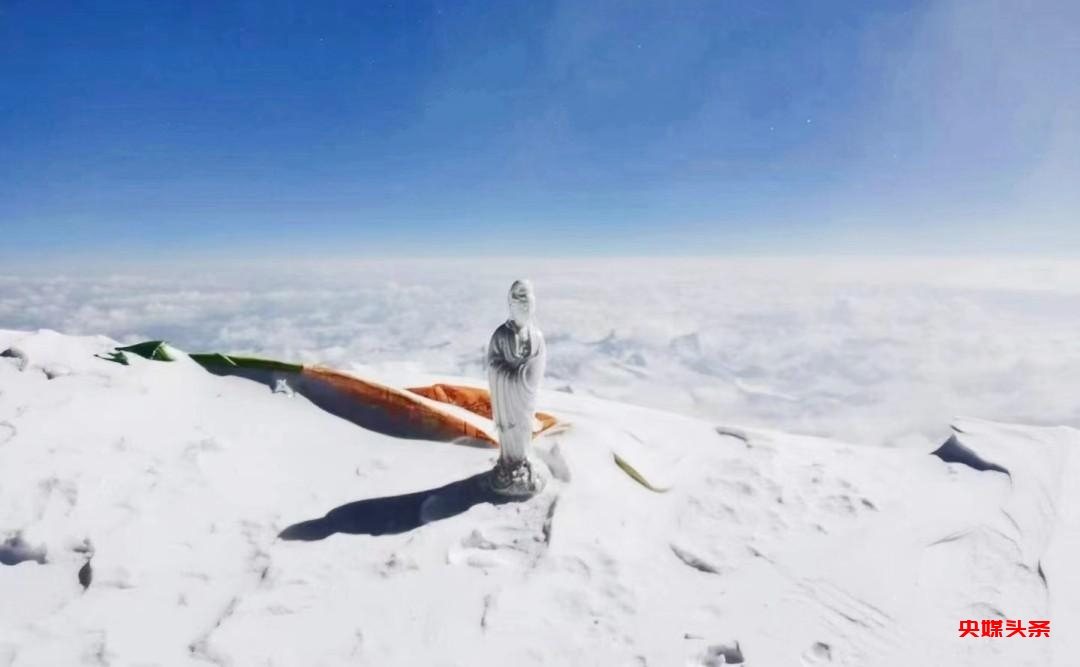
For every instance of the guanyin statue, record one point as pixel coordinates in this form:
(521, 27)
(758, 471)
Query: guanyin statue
(515, 360)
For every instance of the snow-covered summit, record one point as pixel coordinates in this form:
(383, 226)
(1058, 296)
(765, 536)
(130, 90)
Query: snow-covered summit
(225, 523)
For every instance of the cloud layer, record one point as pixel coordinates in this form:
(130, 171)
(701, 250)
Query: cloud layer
(871, 351)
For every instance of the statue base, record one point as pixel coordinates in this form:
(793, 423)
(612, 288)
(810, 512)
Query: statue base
(515, 480)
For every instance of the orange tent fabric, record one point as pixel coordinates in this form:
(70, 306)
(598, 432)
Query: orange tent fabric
(405, 405)
(474, 400)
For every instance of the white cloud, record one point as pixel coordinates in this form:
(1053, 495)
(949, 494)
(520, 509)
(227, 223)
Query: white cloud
(866, 350)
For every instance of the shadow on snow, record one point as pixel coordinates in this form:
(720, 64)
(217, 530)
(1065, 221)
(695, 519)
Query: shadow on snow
(391, 515)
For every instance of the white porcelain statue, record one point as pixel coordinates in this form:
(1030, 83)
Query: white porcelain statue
(516, 359)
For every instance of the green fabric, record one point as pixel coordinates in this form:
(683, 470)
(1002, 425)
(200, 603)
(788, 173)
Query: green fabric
(635, 475)
(216, 359)
(159, 350)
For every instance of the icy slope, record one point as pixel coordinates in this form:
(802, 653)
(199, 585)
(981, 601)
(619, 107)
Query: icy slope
(768, 548)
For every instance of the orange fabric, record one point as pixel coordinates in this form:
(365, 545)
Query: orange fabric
(404, 404)
(400, 403)
(474, 400)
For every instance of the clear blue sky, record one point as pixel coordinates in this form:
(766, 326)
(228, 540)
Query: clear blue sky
(585, 127)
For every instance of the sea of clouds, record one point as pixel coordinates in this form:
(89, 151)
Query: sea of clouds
(875, 351)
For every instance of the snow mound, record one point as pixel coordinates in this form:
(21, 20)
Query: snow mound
(238, 526)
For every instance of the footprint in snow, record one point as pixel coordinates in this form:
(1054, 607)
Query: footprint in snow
(510, 533)
(719, 654)
(818, 654)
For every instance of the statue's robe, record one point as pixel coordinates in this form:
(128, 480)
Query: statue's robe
(516, 360)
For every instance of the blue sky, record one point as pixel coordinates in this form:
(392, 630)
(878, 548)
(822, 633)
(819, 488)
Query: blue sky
(263, 128)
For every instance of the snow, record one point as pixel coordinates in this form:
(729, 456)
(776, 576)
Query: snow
(773, 548)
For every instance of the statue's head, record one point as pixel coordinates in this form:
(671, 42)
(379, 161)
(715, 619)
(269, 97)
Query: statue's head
(522, 302)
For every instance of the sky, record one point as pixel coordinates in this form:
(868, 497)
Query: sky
(173, 129)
